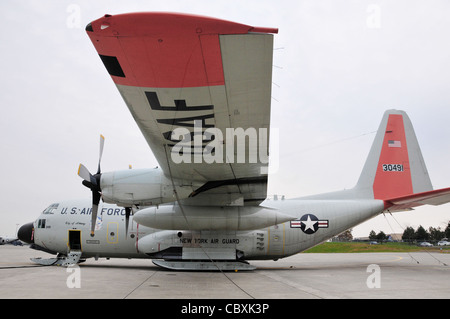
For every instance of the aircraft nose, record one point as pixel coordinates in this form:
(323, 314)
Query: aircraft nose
(26, 233)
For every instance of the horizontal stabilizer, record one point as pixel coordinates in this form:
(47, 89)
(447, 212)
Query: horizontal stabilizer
(434, 197)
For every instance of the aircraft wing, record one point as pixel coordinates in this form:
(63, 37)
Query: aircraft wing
(434, 197)
(196, 74)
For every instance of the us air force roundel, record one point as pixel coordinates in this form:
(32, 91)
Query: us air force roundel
(309, 224)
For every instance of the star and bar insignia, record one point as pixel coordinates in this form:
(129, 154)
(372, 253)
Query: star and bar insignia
(309, 223)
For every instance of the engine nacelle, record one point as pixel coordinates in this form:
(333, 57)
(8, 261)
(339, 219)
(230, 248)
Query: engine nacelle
(170, 217)
(141, 187)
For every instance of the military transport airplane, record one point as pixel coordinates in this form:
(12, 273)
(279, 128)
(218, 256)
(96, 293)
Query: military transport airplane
(198, 89)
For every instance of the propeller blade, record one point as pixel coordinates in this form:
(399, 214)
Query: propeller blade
(95, 202)
(93, 182)
(93, 219)
(102, 143)
(127, 219)
(83, 172)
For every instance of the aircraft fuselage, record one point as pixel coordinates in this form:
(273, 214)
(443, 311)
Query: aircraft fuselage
(67, 228)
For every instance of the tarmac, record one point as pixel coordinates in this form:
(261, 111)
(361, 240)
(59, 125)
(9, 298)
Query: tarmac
(420, 275)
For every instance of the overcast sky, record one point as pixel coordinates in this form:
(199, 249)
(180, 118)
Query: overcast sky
(338, 65)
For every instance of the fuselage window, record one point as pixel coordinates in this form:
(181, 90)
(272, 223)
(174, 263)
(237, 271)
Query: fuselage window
(41, 223)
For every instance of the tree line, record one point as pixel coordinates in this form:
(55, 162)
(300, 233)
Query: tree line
(420, 234)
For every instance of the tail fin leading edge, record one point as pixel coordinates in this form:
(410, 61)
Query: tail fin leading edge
(395, 167)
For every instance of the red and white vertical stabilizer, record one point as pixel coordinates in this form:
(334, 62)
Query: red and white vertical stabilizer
(395, 170)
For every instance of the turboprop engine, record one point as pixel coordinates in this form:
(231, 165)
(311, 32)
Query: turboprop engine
(140, 187)
(128, 188)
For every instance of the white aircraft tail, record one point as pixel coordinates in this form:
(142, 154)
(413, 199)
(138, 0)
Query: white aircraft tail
(395, 166)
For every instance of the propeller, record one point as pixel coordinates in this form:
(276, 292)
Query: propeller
(93, 183)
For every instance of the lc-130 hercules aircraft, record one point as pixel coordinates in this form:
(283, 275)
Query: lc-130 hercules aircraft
(189, 81)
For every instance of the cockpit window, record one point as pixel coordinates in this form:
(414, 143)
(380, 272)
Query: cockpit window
(50, 209)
